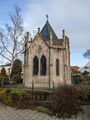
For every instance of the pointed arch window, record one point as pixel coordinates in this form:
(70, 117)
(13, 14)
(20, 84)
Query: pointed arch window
(35, 65)
(43, 65)
(57, 67)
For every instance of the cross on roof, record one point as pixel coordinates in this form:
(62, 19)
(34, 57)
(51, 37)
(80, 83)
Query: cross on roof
(47, 17)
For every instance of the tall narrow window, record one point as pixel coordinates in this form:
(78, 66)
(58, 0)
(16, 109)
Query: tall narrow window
(35, 65)
(43, 65)
(57, 67)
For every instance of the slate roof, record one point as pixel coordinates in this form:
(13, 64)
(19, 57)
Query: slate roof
(46, 32)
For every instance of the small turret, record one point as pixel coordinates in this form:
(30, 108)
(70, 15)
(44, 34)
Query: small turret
(38, 30)
(63, 34)
(27, 37)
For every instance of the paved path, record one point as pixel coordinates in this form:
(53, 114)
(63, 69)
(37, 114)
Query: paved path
(7, 113)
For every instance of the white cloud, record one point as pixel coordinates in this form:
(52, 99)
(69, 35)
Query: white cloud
(72, 15)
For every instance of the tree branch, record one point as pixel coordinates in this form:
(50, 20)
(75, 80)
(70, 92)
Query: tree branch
(5, 47)
(11, 41)
(5, 57)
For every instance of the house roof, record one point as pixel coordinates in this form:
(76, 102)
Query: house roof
(46, 30)
(8, 64)
(87, 65)
(75, 68)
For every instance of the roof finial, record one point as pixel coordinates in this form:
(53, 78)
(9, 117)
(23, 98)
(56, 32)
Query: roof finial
(38, 30)
(63, 33)
(47, 16)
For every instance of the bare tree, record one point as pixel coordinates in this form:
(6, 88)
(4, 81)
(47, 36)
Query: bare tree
(11, 41)
(87, 54)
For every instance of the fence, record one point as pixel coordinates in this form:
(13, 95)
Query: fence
(34, 86)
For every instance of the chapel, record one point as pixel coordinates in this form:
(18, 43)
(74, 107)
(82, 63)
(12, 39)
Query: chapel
(47, 59)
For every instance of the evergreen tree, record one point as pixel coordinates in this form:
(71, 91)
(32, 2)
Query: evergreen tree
(16, 70)
(3, 72)
(3, 75)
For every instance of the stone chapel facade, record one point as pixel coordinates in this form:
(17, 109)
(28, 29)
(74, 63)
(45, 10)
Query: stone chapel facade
(47, 59)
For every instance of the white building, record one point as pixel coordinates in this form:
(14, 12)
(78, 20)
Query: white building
(86, 68)
(7, 68)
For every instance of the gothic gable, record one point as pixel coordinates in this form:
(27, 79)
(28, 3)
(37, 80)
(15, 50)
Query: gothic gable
(38, 46)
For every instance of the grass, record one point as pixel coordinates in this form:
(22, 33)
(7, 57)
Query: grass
(42, 109)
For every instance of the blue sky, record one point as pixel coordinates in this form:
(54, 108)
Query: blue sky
(71, 15)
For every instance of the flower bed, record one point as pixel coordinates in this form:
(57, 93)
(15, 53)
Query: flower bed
(65, 101)
(21, 98)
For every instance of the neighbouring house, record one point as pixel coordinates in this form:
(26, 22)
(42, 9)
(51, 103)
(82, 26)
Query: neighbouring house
(75, 69)
(7, 68)
(85, 68)
(46, 59)
(81, 75)
(75, 75)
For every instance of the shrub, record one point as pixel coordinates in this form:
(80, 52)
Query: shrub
(4, 96)
(42, 109)
(18, 91)
(84, 92)
(2, 93)
(13, 97)
(65, 102)
(7, 99)
(21, 98)
(18, 97)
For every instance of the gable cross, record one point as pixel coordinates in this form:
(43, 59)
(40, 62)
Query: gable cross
(47, 17)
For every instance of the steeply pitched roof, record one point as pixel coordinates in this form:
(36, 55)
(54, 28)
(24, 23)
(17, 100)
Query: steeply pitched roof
(46, 30)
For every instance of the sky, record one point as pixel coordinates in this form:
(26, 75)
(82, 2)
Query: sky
(71, 15)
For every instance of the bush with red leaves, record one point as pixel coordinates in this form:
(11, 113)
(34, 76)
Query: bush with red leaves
(65, 101)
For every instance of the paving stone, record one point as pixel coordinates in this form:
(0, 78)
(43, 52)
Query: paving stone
(7, 113)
